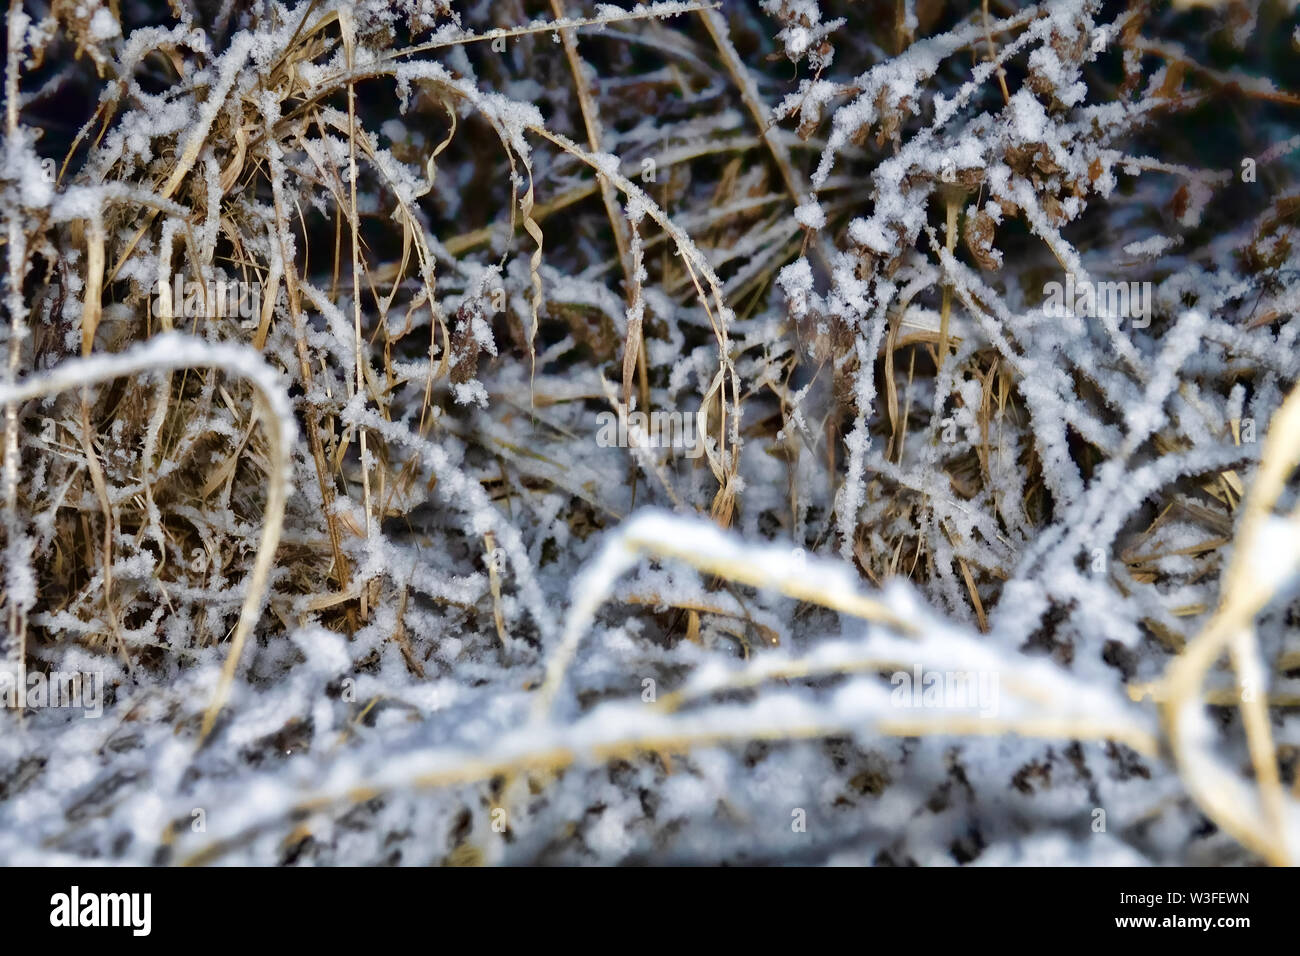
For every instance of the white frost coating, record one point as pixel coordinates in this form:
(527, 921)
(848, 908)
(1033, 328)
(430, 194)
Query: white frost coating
(167, 352)
(810, 214)
(1046, 504)
(103, 25)
(1275, 554)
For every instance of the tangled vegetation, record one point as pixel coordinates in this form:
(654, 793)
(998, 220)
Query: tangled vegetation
(528, 432)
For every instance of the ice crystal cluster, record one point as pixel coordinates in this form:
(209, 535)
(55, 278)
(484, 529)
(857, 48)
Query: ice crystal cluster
(544, 431)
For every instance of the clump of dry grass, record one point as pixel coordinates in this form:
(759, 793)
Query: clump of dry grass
(350, 519)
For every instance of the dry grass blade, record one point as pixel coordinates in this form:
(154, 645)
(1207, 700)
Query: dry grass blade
(172, 352)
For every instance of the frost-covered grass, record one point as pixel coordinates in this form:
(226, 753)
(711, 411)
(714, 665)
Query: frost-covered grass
(535, 432)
